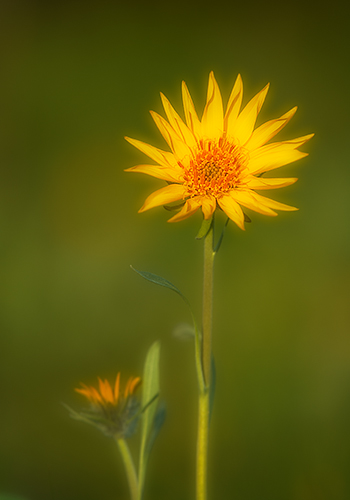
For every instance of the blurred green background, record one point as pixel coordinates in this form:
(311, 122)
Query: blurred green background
(77, 77)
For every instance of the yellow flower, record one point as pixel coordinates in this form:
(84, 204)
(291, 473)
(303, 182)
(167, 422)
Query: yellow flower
(219, 160)
(112, 411)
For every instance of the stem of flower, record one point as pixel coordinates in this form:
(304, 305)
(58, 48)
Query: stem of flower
(202, 445)
(207, 313)
(204, 393)
(129, 468)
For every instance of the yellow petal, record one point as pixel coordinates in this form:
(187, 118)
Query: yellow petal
(116, 388)
(163, 196)
(177, 124)
(127, 388)
(170, 174)
(95, 395)
(106, 391)
(84, 392)
(244, 125)
(178, 147)
(88, 392)
(269, 183)
(162, 157)
(134, 384)
(275, 205)
(232, 209)
(190, 113)
(233, 106)
(290, 144)
(189, 208)
(299, 141)
(213, 115)
(208, 206)
(268, 130)
(249, 199)
(273, 159)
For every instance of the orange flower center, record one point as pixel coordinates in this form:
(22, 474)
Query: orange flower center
(215, 168)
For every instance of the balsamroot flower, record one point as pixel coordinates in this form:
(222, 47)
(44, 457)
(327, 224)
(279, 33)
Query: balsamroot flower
(112, 411)
(218, 161)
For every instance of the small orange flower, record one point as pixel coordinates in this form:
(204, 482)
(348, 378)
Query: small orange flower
(218, 161)
(106, 395)
(112, 411)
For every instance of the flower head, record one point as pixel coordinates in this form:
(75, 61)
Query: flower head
(112, 411)
(218, 161)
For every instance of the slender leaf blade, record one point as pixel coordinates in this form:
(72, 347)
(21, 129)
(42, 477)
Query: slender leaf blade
(158, 422)
(218, 245)
(204, 229)
(159, 280)
(150, 390)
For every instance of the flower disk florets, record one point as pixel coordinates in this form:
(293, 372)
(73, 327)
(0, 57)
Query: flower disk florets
(216, 169)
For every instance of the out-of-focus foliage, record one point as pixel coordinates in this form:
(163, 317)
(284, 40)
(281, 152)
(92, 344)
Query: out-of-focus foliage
(77, 77)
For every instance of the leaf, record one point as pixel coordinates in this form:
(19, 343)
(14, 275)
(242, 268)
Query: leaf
(89, 418)
(158, 422)
(247, 218)
(77, 416)
(150, 390)
(158, 280)
(204, 229)
(218, 245)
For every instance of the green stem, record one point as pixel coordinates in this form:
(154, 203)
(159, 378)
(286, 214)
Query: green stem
(207, 313)
(204, 392)
(198, 356)
(129, 468)
(202, 445)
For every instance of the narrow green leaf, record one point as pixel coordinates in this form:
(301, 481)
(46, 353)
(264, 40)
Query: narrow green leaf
(247, 218)
(158, 422)
(150, 402)
(88, 418)
(150, 389)
(204, 229)
(158, 280)
(218, 245)
(77, 416)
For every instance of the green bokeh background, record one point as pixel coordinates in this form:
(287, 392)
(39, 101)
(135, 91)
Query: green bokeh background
(77, 77)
